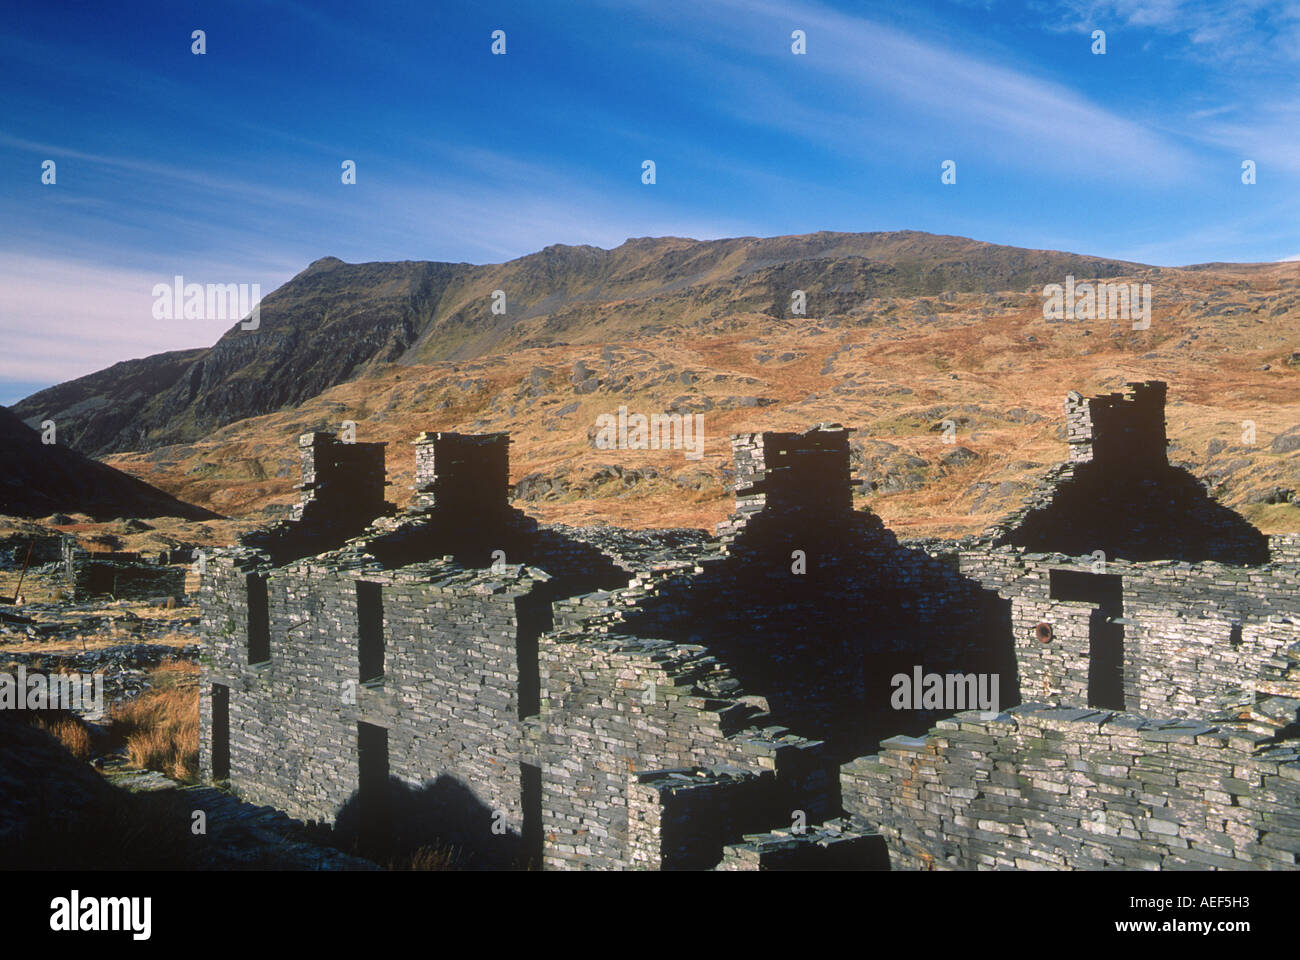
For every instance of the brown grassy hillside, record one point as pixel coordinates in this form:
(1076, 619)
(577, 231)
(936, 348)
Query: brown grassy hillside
(1225, 337)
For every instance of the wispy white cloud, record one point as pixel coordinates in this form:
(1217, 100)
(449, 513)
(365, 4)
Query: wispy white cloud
(875, 86)
(522, 207)
(1209, 112)
(1268, 133)
(1263, 33)
(66, 318)
(734, 108)
(231, 190)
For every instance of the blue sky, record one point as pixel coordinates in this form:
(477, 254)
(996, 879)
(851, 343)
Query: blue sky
(225, 167)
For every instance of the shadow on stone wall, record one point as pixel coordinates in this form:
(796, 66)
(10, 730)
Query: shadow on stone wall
(1160, 515)
(822, 646)
(477, 542)
(443, 814)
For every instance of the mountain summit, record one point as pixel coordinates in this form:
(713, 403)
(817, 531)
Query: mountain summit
(334, 320)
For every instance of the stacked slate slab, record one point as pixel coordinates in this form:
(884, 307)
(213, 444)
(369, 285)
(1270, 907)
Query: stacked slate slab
(1055, 787)
(36, 549)
(682, 819)
(840, 844)
(461, 472)
(340, 476)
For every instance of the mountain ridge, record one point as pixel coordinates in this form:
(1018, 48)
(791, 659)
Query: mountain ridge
(333, 321)
(704, 327)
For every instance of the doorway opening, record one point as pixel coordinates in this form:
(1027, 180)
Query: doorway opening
(372, 793)
(220, 732)
(1105, 636)
(530, 783)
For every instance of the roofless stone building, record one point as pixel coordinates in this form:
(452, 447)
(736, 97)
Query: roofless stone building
(609, 699)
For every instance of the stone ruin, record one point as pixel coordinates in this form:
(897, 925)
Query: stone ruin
(99, 573)
(578, 698)
(124, 574)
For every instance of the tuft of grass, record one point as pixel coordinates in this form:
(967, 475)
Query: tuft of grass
(172, 673)
(160, 728)
(70, 732)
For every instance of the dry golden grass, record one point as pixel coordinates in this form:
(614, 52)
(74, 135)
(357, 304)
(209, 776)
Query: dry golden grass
(36, 587)
(175, 673)
(160, 728)
(54, 649)
(70, 732)
(994, 352)
(161, 732)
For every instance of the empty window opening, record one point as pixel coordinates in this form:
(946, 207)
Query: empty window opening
(1106, 590)
(372, 787)
(370, 630)
(100, 580)
(530, 789)
(259, 620)
(1105, 662)
(1105, 637)
(534, 617)
(220, 732)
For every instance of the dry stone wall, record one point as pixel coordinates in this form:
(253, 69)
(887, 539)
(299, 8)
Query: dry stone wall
(448, 696)
(615, 705)
(1044, 787)
(1192, 633)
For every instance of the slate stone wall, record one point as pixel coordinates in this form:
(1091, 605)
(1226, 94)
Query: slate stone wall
(682, 819)
(462, 471)
(623, 682)
(14, 549)
(1192, 633)
(119, 574)
(839, 844)
(1041, 787)
(1119, 431)
(448, 697)
(605, 699)
(339, 478)
(615, 705)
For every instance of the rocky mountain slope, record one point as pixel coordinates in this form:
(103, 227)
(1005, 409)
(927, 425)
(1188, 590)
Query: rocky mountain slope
(335, 321)
(934, 348)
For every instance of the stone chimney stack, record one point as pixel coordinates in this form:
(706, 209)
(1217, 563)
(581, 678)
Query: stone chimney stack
(462, 472)
(1119, 431)
(340, 481)
(796, 474)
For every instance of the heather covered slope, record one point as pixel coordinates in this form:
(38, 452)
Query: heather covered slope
(895, 368)
(334, 321)
(903, 331)
(38, 479)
